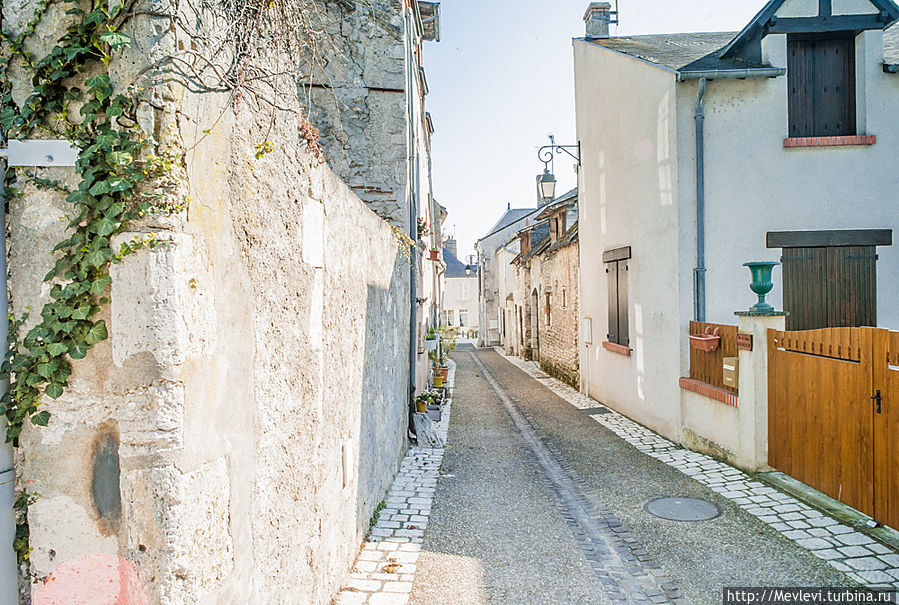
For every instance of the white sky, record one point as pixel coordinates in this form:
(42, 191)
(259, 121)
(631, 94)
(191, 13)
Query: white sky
(501, 79)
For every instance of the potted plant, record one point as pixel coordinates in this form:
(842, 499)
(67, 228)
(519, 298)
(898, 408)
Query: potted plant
(433, 254)
(431, 339)
(427, 400)
(707, 341)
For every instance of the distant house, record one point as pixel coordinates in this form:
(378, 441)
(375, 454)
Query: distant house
(489, 303)
(460, 298)
(541, 308)
(702, 151)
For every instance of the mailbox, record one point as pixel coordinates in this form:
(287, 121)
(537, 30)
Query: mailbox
(731, 367)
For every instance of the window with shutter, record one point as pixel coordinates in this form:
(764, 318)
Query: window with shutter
(617, 270)
(821, 80)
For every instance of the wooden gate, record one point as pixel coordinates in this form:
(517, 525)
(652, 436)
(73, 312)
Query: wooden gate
(827, 426)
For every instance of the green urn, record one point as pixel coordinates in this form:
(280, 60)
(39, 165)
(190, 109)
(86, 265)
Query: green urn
(761, 284)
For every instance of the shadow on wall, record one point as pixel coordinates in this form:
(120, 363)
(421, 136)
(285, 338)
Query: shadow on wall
(383, 419)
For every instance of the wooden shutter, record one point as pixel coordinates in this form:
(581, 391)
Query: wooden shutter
(800, 76)
(821, 83)
(830, 287)
(612, 271)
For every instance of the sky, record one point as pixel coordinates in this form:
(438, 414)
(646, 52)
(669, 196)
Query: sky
(501, 79)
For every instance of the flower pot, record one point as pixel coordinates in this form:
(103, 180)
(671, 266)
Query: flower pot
(434, 413)
(431, 345)
(705, 342)
(432, 255)
(421, 406)
(438, 381)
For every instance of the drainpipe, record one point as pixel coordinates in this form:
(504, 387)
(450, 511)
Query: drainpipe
(699, 271)
(8, 567)
(413, 216)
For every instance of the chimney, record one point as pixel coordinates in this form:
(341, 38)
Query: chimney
(451, 247)
(597, 18)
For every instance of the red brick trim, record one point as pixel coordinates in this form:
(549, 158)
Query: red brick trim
(861, 139)
(707, 390)
(614, 348)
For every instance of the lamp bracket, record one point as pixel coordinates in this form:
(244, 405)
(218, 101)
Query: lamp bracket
(547, 152)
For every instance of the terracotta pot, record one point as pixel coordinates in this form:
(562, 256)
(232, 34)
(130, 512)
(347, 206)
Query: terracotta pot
(705, 342)
(433, 254)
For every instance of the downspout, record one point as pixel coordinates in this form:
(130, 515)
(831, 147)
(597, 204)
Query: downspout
(699, 272)
(413, 218)
(8, 566)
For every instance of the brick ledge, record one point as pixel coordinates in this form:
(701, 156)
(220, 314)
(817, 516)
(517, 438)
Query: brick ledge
(616, 348)
(710, 391)
(843, 141)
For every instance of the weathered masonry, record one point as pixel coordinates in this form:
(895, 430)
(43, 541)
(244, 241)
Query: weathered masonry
(230, 439)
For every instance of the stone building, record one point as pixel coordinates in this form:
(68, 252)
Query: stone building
(489, 301)
(542, 310)
(231, 438)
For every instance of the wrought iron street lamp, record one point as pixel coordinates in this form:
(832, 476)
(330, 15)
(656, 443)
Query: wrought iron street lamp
(546, 182)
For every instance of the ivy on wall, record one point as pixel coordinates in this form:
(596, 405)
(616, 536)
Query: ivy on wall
(72, 97)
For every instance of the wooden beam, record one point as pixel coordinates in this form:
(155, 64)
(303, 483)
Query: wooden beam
(810, 25)
(819, 239)
(825, 8)
(617, 254)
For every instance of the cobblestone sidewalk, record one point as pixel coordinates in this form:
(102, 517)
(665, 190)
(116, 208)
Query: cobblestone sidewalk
(385, 569)
(860, 557)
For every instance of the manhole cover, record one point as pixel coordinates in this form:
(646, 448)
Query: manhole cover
(682, 509)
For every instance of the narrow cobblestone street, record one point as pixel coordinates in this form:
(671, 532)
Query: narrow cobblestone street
(538, 503)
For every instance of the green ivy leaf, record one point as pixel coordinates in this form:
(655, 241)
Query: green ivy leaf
(119, 158)
(54, 390)
(97, 257)
(42, 418)
(97, 333)
(115, 39)
(57, 348)
(77, 351)
(82, 312)
(104, 226)
(100, 188)
(46, 369)
(98, 286)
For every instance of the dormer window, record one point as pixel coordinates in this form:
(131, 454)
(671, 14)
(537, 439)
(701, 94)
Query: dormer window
(821, 80)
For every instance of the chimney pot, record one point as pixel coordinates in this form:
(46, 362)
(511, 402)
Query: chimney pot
(597, 19)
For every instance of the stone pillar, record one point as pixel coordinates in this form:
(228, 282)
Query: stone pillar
(753, 386)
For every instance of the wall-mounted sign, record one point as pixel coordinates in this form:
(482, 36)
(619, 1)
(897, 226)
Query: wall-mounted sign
(744, 342)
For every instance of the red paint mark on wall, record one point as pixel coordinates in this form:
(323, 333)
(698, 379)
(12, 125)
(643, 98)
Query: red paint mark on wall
(97, 579)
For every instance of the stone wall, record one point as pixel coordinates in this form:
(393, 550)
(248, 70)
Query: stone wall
(559, 340)
(230, 440)
(357, 99)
